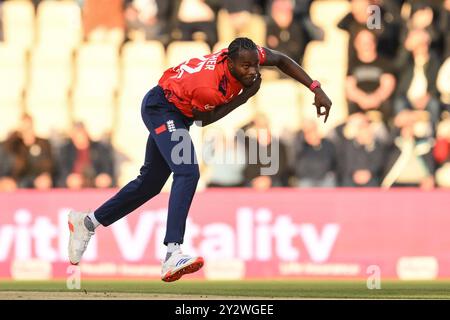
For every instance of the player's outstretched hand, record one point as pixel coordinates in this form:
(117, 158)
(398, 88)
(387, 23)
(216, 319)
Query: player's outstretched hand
(322, 103)
(253, 89)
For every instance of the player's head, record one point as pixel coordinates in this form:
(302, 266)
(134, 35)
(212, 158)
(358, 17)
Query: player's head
(243, 60)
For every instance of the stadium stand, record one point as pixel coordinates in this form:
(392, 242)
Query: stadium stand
(18, 23)
(13, 82)
(51, 70)
(59, 23)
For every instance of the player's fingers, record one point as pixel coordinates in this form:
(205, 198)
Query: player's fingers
(326, 115)
(322, 110)
(317, 109)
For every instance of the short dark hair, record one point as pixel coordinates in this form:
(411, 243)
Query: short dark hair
(239, 44)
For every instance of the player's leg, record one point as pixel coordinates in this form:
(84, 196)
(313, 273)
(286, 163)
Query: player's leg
(153, 175)
(185, 178)
(175, 144)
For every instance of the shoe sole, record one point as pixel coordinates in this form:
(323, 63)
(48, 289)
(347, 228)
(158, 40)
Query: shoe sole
(193, 267)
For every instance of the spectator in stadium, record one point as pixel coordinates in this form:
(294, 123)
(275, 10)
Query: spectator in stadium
(444, 25)
(370, 80)
(442, 84)
(227, 155)
(284, 33)
(387, 32)
(360, 156)
(239, 17)
(393, 7)
(315, 157)
(416, 90)
(435, 4)
(441, 153)
(30, 159)
(425, 16)
(7, 182)
(410, 160)
(147, 20)
(196, 20)
(302, 13)
(269, 151)
(103, 21)
(84, 163)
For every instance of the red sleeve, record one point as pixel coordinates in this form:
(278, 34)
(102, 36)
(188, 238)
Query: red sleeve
(262, 54)
(441, 150)
(205, 99)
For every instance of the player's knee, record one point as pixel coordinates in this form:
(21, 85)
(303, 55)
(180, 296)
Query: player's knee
(157, 189)
(194, 172)
(191, 171)
(149, 183)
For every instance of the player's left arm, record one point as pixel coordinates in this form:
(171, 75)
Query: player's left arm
(295, 71)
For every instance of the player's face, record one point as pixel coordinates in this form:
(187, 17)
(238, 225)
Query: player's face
(245, 67)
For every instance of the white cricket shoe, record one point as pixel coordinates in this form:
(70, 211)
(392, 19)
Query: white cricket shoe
(79, 236)
(178, 265)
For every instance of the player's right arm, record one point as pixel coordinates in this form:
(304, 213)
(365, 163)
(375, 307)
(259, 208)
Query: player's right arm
(203, 118)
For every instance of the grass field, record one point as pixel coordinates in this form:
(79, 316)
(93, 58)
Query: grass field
(186, 289)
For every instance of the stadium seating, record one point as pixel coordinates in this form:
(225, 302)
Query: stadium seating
(142, 64)
(97, 112)
(333, 10)
(48, 71)
(255, 29)
(321, 65)
(129, 138)
(220, 45)
(51, 69)
(18, 23)
(12, 81)
(13, 71)
(96, 81)
(50, 112)
(280, 101)
(180, 51)
(238, 117)
(50, 80)
(59, 23)
(97, 68)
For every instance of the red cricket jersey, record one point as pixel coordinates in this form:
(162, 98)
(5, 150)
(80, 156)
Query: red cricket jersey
(202, 83)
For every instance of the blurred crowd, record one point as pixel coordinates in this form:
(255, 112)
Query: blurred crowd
(397, 87)
(28, 161)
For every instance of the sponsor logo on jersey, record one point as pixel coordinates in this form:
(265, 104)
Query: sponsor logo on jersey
(171, 126)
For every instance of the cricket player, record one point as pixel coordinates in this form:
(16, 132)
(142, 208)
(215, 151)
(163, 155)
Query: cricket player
(203, 90)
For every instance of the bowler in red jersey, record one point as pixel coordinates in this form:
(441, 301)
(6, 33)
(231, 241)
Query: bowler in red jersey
(203, 90)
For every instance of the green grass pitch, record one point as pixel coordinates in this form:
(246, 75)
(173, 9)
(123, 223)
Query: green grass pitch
(296, 289)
